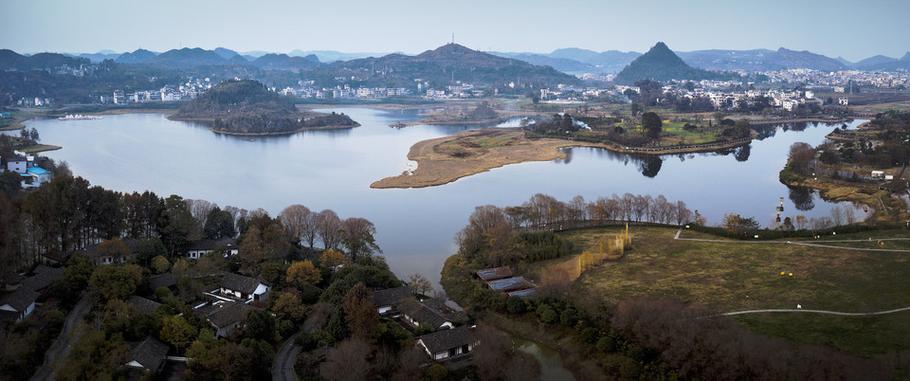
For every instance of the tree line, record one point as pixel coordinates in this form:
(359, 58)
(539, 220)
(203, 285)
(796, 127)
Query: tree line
(69, 215)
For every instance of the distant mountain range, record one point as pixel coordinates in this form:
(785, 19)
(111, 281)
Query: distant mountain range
(12, 60)
(575, 60)
(661, 64)
(442, 65)
(760, 60)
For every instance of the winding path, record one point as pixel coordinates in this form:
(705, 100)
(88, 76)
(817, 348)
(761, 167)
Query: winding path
(285, 358)
(823, 312)
(817, 243)
(63, 344)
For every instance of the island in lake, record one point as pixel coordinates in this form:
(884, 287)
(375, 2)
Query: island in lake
(248, 108)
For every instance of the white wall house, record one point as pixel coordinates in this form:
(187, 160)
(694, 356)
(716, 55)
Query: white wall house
(18, 304)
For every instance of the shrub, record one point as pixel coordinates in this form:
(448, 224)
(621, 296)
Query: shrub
(516, 306)
(546, 314)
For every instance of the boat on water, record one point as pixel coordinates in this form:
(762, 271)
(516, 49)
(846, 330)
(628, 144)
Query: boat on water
(78, 117)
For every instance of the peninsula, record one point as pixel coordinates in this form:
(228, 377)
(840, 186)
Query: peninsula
(248, 108)
(444, 160)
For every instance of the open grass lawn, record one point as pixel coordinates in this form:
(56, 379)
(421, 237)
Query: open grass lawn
(740, 276)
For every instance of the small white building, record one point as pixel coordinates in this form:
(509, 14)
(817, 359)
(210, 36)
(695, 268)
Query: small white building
(243, 288)
(204, 247)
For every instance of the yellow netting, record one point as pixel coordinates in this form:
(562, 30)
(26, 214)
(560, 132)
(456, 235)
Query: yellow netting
(608, 247)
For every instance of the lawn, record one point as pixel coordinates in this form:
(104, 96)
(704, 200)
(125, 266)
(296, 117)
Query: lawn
(736, 275)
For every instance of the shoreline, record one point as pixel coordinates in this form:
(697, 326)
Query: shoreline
(434, 168)
(452, 122)
(797, 120)
(843, 193)
(282, 133)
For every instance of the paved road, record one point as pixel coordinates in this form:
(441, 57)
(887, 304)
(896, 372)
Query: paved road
(823, 312)
(285, 358)
(62, 345)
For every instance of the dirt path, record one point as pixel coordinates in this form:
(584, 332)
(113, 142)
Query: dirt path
(819, 243)
(823, 312)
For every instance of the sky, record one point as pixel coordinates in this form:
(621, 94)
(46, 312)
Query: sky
(851, 29)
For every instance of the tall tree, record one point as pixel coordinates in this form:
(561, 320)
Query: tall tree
(360, 312)
(328, 227)
(358, 236)
(652, 124)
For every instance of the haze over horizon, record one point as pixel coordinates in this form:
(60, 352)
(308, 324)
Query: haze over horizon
(834, 28)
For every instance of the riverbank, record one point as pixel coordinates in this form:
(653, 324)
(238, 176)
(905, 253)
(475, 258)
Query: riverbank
(883, 207)
(444, 160)
(38, 148)
(767, 121)
(459, 122)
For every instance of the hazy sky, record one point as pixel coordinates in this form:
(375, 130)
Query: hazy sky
(852, 29)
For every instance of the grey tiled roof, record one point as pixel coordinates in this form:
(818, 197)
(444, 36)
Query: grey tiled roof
(391, 296)
(446, 339)
(143, 305)
(19, 299)
(150, 353)
(240, 283)
(43, 277)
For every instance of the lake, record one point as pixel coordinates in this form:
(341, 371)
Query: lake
(416, 227)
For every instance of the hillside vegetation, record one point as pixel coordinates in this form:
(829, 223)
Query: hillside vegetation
(248, 107)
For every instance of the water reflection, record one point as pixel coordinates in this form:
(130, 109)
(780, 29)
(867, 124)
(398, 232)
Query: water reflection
(802, 198)
(333, 169)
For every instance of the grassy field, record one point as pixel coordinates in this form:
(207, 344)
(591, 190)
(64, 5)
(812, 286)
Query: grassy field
(731, 276)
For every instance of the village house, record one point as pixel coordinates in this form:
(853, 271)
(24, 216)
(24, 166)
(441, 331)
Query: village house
(223, 316)
(430, 314)
(242, 288)
(166, 280)
(388, 299)
(143, 306)
(42, 277)
(149, 355)
(31, 175)
(205, 247)
(448, 344)
(18, 305)
(99, 258)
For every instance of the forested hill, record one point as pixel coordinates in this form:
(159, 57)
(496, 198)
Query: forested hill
(248, 107)
(661, 64)
(448, 63)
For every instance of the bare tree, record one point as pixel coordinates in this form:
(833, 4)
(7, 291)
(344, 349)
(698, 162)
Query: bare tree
(295, 219)
(801, 221)
(850, 216)
(419, 284)
(837, 216)
(328, 228)
(200, 209)
(346, 361)
(683, 214)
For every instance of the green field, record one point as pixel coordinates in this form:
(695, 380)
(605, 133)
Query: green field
(734, 275)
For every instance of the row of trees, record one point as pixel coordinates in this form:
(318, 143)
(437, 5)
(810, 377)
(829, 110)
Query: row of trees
(543, 211)
(69, 215)
(497, 236)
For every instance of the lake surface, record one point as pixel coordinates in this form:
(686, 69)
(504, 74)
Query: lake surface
(416, 227)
